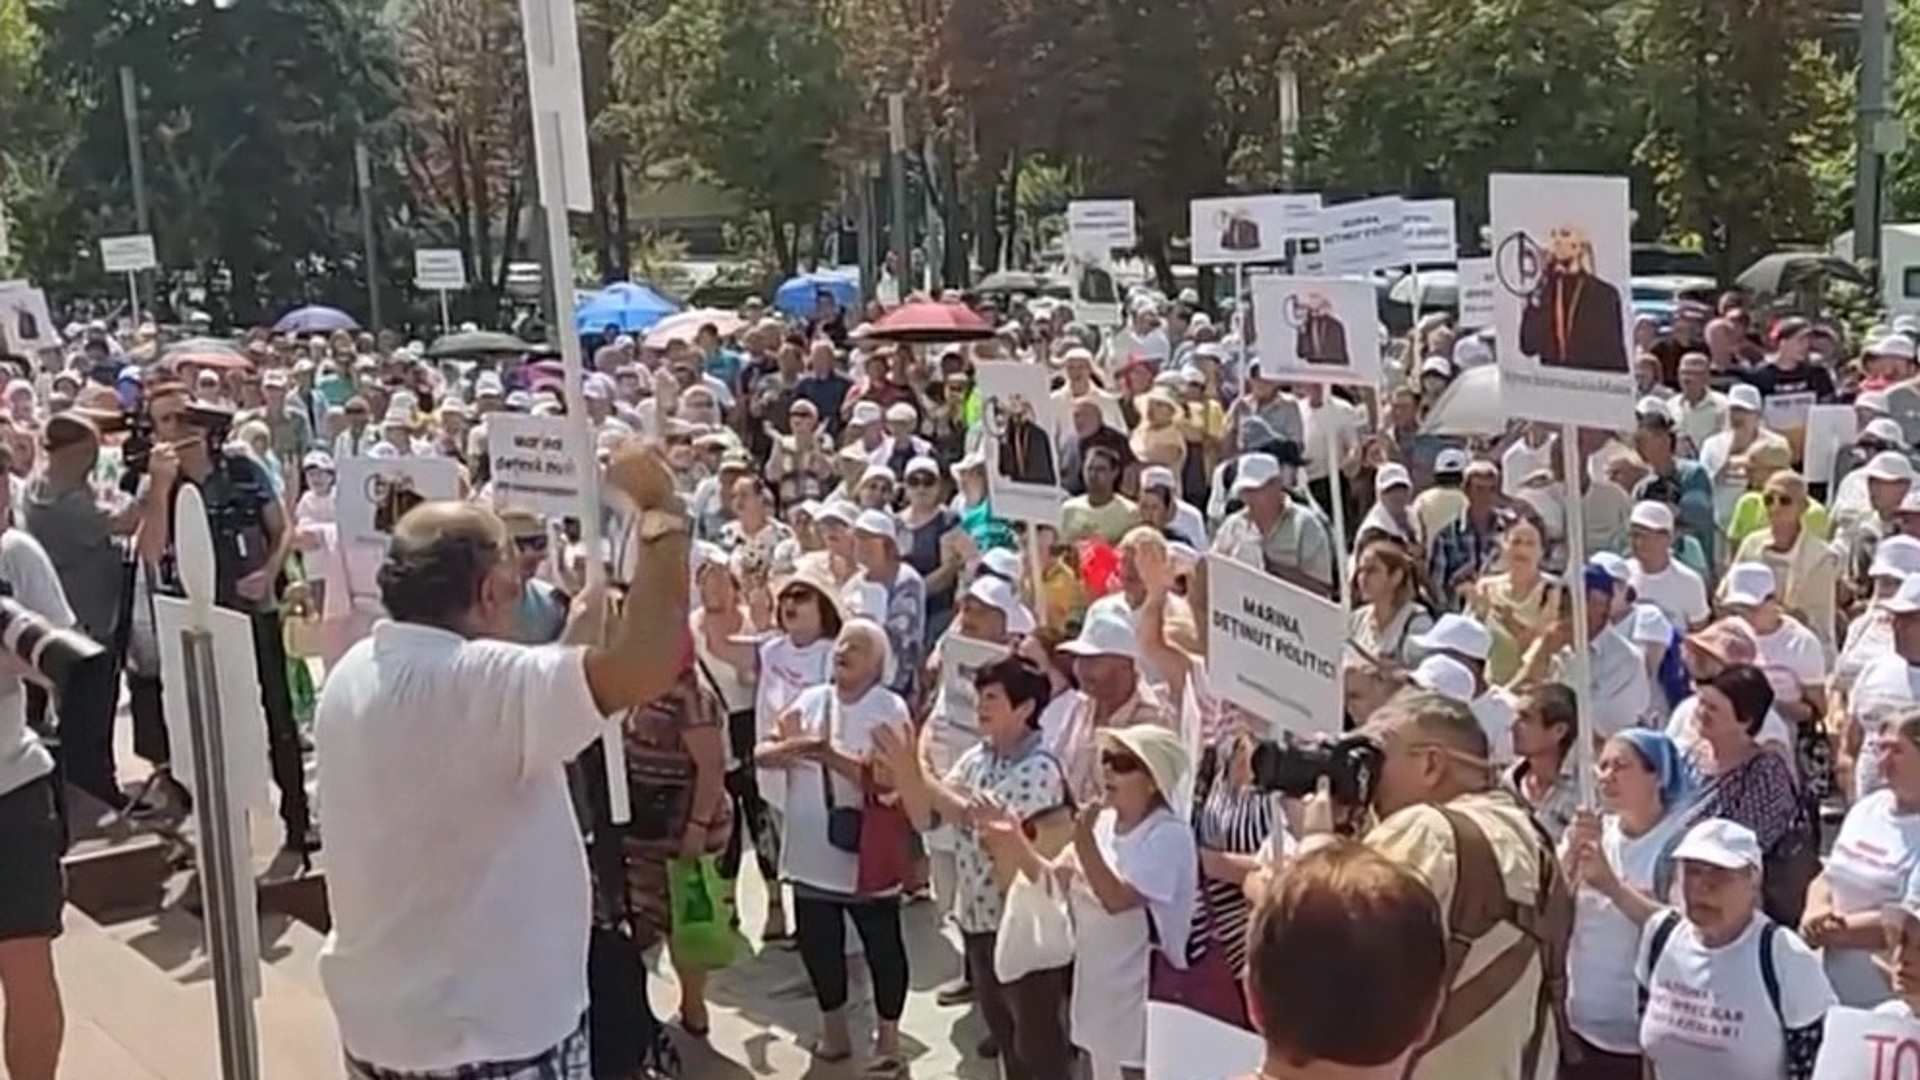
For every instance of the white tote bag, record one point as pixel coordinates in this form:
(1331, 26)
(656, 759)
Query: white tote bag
(1036, 932)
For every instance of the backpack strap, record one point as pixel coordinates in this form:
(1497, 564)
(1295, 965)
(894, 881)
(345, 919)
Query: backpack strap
(1479, 903)
(1769, 972)
(1663, 927)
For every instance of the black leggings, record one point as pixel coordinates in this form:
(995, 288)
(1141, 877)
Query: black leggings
(750, 814)
(820, 926)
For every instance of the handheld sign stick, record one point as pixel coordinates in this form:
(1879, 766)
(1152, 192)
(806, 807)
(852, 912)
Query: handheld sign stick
(225, 858)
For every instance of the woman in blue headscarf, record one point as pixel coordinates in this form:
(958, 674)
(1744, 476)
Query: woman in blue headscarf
(1644, 789)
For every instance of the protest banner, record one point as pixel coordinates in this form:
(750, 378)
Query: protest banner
(1862, 1045)
(1362, 236)
(1230, 229)
(1324, 330)
(376, 492)
(534, 464)
(1274, 648)
(1098, 227)
(1020, 426)
(1474, 285)
(1185, 1044)
(1427, 227)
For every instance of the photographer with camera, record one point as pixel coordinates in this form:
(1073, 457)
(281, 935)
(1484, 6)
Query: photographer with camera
(32, 829)
(250, 542)
(1420, 765)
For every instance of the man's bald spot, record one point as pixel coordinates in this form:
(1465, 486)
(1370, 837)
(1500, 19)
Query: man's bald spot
(432, 523)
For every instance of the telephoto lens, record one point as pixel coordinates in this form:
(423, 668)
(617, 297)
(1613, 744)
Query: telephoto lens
(62, 657)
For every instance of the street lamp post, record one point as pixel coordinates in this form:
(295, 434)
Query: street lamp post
(136, 161)
(363, 176)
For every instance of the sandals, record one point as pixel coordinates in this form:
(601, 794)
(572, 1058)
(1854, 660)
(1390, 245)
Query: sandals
(885, 1067)
(816, 1047)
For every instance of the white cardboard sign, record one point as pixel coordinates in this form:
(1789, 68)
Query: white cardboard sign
(1474, 283)
(1361, 237)
(1274, 649)
(127, 254)
(1427, 227)
(1862, 1045)
(439, 269)
(1232, 229)
(557, 97)
(1323, 330)
(1184, 1044)
(534, 464)
(375, 492)
(1020, 431)
(26, 325)
(1099, 226)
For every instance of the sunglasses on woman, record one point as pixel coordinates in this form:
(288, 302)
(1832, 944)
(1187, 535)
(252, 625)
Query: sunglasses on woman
(1120, 764)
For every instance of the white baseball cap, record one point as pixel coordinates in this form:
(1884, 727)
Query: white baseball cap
(838, 510)
(1654, 516)
(1907, 600)
(1891, 466)
(1748, 584)
(1744, 396)
(866, 412)
(875, 523)
(1884, 429)
(878, 472)
(1615, 564)
(924, 465)
(1873, 401)
(1722, 843)
(1106, 633)
(1256, 470)
(1450, 460)
(1461, 635)
(1390, 476)
(1158, 476)
(1897, 345)
(998, 594)
(1003, 563)
(1651, 406)
(1896, 557)
(1445, 676)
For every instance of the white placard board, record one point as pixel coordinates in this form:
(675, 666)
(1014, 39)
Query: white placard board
(1862, 1045)
(1563, 311)
(1020, 427)
(1362, 236)
(1231, 229)
(1324, 330)
(127, 254)
(439, 269)
(26, 324)
(243, 724)
(1183, 1044)
(557, 99)
(1474, 285)
(1831, 429)
(1100, 226)
(375, 492)
(534, 464)
(1274, 649)
(1427, 228)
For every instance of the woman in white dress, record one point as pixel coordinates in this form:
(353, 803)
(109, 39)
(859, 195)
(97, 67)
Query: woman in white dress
(1130, 876)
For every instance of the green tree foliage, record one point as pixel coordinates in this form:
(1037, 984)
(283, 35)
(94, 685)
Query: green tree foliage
(1903, 181)
(248, 117)
(749, 94)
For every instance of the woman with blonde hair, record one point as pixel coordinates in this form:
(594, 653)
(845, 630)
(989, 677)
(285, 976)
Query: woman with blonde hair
(1518, 603)
(1157, 439)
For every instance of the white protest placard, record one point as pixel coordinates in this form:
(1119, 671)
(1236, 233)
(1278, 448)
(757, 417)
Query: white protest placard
(374, 493)
(534, 464)
(1427, 228)
(127, 254)
(1862, 1045)
(1363, 236)
(557, 98)
(1020, 424)
(1274, 649)
(1186, 1044)
(1830, 430)
(26, 326)
(1100, 226)
(439, 269)
(1230, 229)
(1324, 330)
(1563, 311)
(1474, 284)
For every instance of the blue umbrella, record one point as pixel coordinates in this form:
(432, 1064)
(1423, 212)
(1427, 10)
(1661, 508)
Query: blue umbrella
(314, 319)
(796, 296)
(631, 307)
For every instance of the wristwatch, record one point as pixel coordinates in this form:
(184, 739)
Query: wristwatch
(655, 524)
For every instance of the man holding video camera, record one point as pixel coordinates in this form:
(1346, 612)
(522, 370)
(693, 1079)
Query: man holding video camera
(1421, 766)
(250, 543)
(32, 830)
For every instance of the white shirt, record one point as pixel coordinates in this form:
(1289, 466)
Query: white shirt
(348, 445)
(1698, 423)
(460, 896)
(1708, 1016)
(786, 669)
(1495, 714)
(1344, 420)
(25, 566)
(806, 858)
(1886, 687)
(1676, 590)
(1793, 658)
(1112, 952)
(1877, 850)
(1602, 1002)
(1521, 460)
(1619, 676)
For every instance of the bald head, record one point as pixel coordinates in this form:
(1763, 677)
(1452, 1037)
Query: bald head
(440, 558)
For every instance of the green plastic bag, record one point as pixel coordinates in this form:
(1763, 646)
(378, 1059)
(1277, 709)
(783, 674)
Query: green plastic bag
(701, 914)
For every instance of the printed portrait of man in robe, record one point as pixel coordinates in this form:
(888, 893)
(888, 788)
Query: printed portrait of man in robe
(1572, 318)
(1322, 337)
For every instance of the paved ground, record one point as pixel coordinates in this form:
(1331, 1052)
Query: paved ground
(763, 1010)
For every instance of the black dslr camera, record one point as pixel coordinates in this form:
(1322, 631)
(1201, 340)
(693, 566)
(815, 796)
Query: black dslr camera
(60, 655)
(1351, 765)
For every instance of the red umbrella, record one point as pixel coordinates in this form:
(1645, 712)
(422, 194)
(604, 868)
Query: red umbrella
(930, 321)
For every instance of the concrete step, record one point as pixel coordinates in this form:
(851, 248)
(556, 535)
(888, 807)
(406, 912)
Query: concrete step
(89, 1053)
(143, 983)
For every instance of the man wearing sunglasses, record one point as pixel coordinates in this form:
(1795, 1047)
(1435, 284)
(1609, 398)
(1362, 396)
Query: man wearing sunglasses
(543, 607)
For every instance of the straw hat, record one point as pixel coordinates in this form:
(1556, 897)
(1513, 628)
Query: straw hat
(1159, 749)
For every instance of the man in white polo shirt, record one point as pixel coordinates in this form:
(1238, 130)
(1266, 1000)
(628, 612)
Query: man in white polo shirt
(455, 872)
(1465, 640)
(1657, 577)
